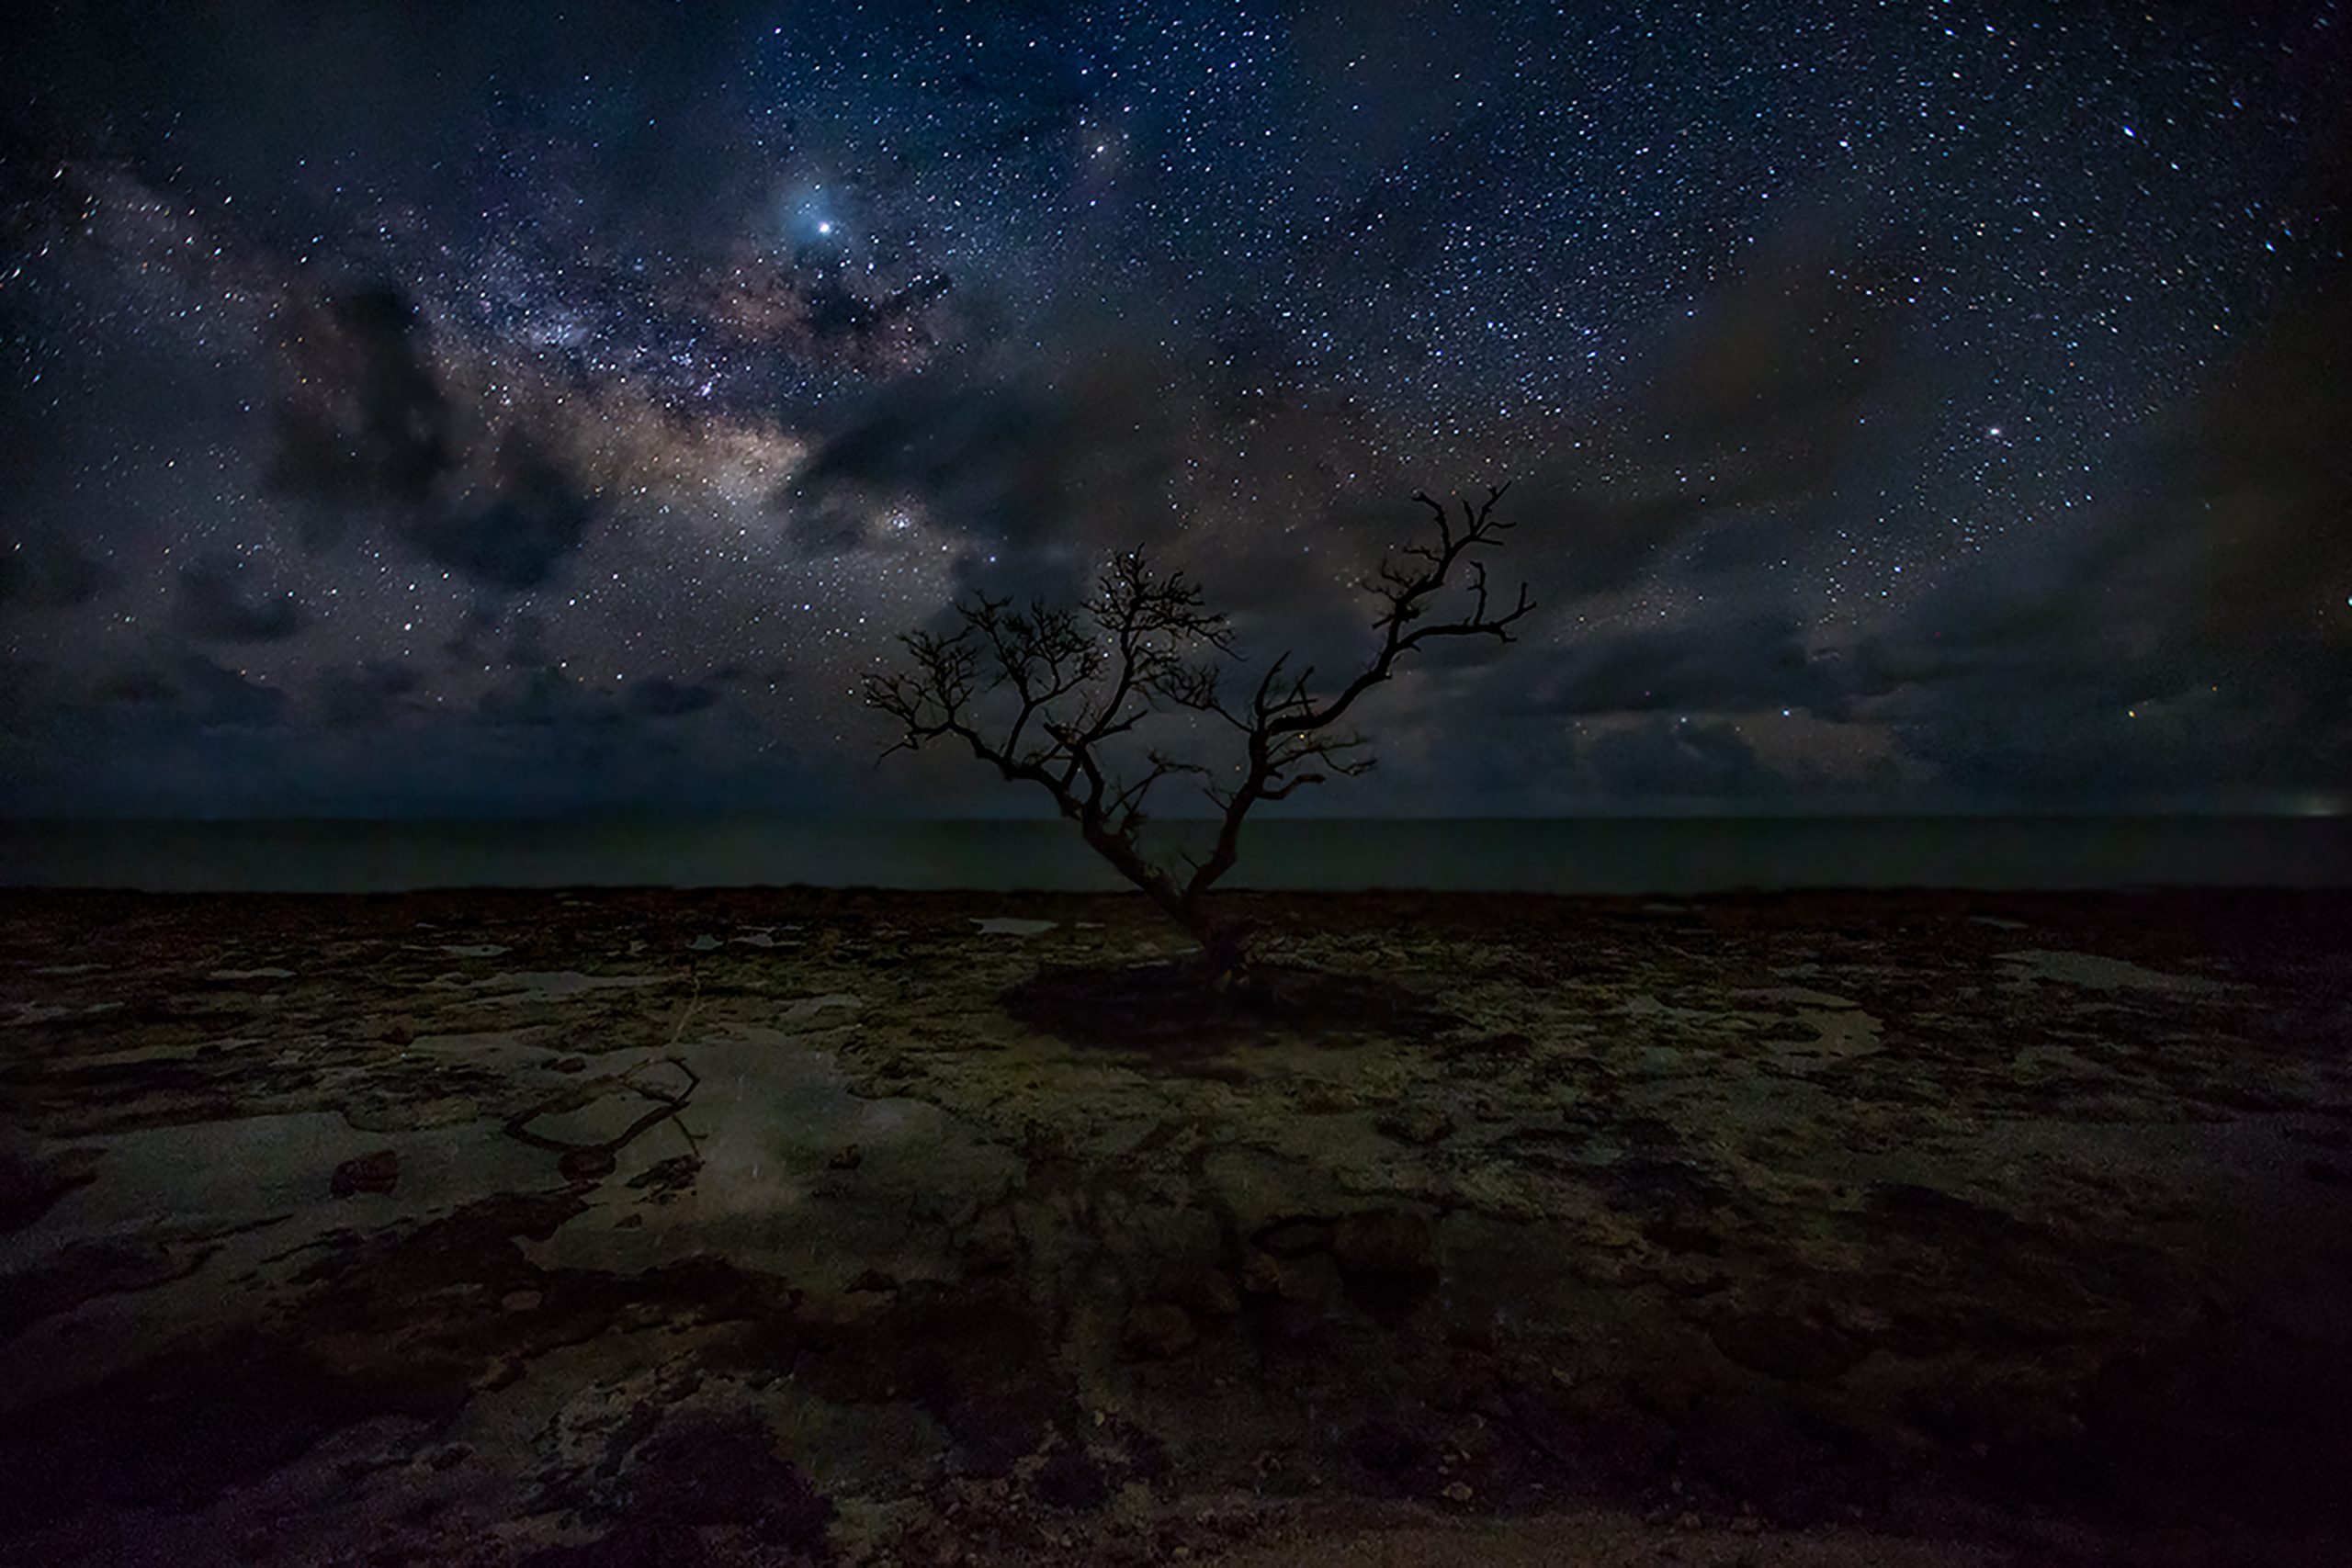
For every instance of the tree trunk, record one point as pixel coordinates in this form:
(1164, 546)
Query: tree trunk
(1224, 949)
(1224, 956)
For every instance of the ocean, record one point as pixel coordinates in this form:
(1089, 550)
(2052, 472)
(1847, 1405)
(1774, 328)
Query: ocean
(1595, 855)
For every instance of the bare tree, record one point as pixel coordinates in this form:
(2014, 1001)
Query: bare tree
(1063, 686)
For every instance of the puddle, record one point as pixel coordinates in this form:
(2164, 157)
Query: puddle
(809, 1007)
(1847, 1032)
(549, 985)
(42, 1013)
(1800, 995)
(2094, 972)
(216, 1175)
(769, 1120)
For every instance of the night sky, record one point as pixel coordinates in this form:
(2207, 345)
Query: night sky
(408, 409)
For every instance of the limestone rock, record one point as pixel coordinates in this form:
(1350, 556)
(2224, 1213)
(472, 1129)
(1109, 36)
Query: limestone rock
(586, 1164)
(1212, 1294)
(1159, 1330)
(1418, 1125)
(1785, 1345)
(1383, 1242)
(376, 1172)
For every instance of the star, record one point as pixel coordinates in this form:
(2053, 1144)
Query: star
(615, 373)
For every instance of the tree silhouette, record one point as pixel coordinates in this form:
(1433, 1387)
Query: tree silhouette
(1063, 686)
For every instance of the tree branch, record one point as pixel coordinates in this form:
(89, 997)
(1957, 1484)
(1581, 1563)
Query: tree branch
(1085, 688)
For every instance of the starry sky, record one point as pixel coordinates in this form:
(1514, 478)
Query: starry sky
(422, 410)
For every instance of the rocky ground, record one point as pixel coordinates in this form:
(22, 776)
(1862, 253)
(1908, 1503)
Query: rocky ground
(772, 1227)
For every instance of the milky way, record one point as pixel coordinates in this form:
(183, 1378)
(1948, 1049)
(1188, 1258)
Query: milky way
(1917, 406)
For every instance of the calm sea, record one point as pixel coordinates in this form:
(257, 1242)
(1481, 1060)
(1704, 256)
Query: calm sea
(1579, 855)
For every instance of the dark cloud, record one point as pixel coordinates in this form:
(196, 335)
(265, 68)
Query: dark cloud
(134, 684)
(216, 604)
(190, 693)
(547, 698)
(1755, 425)
(185, 692)
(988, 460)
(1767, 386)
(1659, 759)
(828, 311)
(1021, 461)
(369, 423)
(535, 517)
(1732, 663)
(476, 626)
(2187, 641)
(370, 428)
(830, 523)
(527, 640)
(477, 641)
(353, 696)
(662, 697)
(47, 571)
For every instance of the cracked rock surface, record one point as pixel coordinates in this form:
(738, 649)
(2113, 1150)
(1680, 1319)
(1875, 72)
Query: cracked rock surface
(803, 1226)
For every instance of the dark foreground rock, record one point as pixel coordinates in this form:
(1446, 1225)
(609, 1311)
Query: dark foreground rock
(797, 1227)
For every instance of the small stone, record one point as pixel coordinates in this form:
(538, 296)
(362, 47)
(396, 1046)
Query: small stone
(1261, 1275)
(377, 1172)
(1673, 1381)
(397, 1034)
(1212, 1294)
(847, 1158)
(569, 1064)
(1686, 1520)
(585, 1164)
(1389, 1446)
(1071, 1481)
(665, 1179)
(1384, 1241)
(1293, 1237)
(520, 1301)
(1458, 1492)
(1784, 1345)
(1159, 1330)
(1418, 1125)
